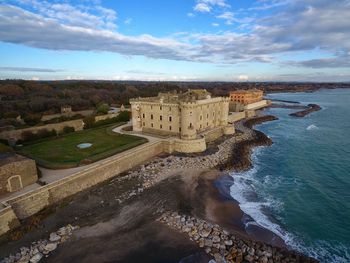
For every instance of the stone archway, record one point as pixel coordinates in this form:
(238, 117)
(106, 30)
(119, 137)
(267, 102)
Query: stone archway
(14, 183)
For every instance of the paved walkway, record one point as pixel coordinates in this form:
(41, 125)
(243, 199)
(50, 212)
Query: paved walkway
(50, 175)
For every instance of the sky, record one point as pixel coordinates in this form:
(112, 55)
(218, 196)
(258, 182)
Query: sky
(176, 40)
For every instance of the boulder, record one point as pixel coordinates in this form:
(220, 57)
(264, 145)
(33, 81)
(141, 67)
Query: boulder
(36, 258)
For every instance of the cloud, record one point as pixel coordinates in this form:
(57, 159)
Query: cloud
(202, 7)
(228, 16)
(22, 69)
(23, 27)
(88, 16)
(243, 78)
(269, 36)
(206, 6)
(215, 24)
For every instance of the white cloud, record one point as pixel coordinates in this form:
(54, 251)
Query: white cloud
(228, 16)
(268, 37)
(243, 78)
(202, 7)
(206, 6)
(215, 24)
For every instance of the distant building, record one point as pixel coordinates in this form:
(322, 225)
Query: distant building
(246, 97)
(66, 109)
(16, 172)
(180, 114)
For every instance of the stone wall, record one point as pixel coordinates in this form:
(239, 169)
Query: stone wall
(67, 114)
(8, 219)
(24, 168)
(236, 116)
(78, 125)
(32, 202)
(256, 105)
(105, 116)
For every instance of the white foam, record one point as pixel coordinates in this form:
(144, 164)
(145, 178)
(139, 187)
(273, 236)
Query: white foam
(312, 127)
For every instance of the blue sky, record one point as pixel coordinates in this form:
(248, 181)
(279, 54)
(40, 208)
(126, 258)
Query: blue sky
(194, 40)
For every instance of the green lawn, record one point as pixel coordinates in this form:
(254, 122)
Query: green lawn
(62, 152)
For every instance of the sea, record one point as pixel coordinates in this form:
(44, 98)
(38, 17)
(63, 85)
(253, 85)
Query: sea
(299, 187)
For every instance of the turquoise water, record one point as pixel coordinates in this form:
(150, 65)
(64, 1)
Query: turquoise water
(302, 181)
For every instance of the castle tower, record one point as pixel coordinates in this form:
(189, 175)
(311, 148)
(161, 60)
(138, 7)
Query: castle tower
(136, 117)
(188, 121)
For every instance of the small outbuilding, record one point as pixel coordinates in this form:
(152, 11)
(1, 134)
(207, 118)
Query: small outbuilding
(16, 172)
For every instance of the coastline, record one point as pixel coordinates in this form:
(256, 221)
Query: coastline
(189, 186)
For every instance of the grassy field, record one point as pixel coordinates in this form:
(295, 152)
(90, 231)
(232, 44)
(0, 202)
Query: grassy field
(62, 152)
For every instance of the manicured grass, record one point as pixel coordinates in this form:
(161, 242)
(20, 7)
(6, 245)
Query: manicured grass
(63, 152)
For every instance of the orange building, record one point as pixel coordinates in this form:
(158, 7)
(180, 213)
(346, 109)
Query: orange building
(246, 96)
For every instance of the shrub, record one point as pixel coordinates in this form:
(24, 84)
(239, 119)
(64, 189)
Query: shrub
(10, 115)
(103, 108)
(28, 136)
(89, 122)
(124, 116)
(68, 129)
(32, 119)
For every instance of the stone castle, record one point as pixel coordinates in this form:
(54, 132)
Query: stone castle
(184, 115)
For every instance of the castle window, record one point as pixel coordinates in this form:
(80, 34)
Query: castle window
(170, 118)
(143, 115)
(200, 126)
(161, 117)
(151, 107)
(144, 124)
(169, 108)
(190, 124)
(207, 123)
(151, 116)
(169, 127)
(152, 125)
(190, 113)
(161, 126)
(207, 115)
(201, 117)
(160, 108)
(180, 129)
(213, 113)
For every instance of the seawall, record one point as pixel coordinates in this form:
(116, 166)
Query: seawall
(34, 201)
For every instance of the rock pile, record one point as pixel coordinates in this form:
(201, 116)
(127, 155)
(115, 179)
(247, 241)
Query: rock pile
(225, 247)
(41, 248)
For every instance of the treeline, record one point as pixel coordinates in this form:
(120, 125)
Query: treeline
(31, 99)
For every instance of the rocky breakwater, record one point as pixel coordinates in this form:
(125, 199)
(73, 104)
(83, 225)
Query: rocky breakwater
(240, 157)
(310, 108)
(226, 247)
(42, 248)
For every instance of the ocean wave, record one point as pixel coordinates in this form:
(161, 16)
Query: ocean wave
(245, 189)
(312, 127)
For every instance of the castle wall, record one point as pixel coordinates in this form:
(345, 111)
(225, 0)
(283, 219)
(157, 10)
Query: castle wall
(32, 202)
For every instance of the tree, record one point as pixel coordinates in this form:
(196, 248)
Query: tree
(103, 108)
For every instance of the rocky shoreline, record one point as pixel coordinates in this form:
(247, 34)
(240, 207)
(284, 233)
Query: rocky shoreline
(163, 184)
(226, 247)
